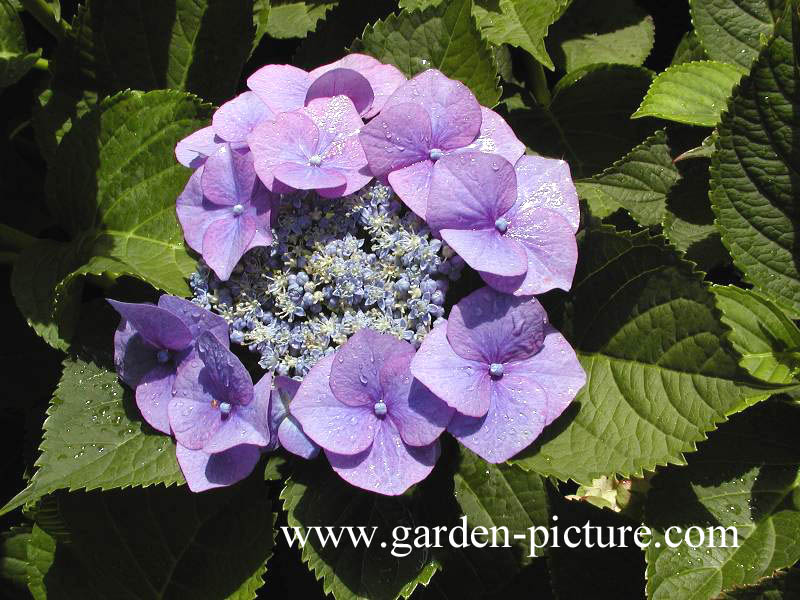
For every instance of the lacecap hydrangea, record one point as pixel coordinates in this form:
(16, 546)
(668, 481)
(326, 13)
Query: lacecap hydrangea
(332, 212)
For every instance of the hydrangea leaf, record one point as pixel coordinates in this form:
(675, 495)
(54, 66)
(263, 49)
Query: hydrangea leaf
(740, 480)
(14, 558)
(443, 37)
(501, 495)
(754, 171)
(781, 585)
(15, 60)
(288, 19)
(694, 93)
(592, 32)
(661, 374)
(315, 496)
(767, 339)
(731, 30)
(115, 182)
(689, 49)
(94, 438)
(588, 122)
(175, 543)
(261, 10)
(51, 309)
(639, 182)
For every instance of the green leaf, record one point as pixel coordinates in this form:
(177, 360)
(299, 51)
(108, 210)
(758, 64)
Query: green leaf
(754, 172)
(261, 10)
(743, 479)
(169, 543)
(638, 182)
(15, 60)
(782, 585)
(660, 374)
(616, 31)
(767, 340)
(588, 121)
(115, 182)
(51, 309)
(289, 19)
(14, 557)
(689, 49)
(315, 496)
(731, 30)
(520, 23)
(54, 572)
(442, 37)
(94, 438)
(502, 496)
(694, 93)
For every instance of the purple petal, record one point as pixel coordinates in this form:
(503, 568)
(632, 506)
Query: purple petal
(470, 190)
(263, 205)
(225, 241)
(207, 471)
(291, 137)
(278, 404)
(293, 439)
(195, 213)
(244, 425)
(419, 416)
(153, 395)
(355, 375)
(157, 326)
(196, 318)
(454, 112)
(413, 185)
(487, 250)
(491, 327)
(496, 137)
(336, 118)
(461, 383)
(383, 79)
(342, 82)
(551, 250)
(347, 158)
(334, 426)
(530, 395)
(307, 177)
(282, 88)
(546, 183)
(192, 416)
(398, 137)
(226, 376)
(133, 356)
(228, 177)
(234, 120)
(389, 466)
(193, 150)
(285, 427)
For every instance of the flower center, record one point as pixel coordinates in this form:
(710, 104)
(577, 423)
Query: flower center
(436, 154)
(380, 409)
(315, 160)
(496, 370)
(162, 356)
(501, 225)
(225, 409)
(238, 209)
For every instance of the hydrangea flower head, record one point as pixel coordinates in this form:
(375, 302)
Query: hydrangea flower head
(225, 210)
(285, 429)
(378, 426)
(151, 343)
(215, 407)
(312, 148)
(516, 227)
(505, 370)
(425, 119)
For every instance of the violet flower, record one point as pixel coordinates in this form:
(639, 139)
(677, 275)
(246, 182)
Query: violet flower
(505, 370)
(151, 342)
(365, 80)
(224, 210)
(517, 228)
(215, 407)
(313, 148)
(285, 429)
(427, 118)
(379, 427)
(204, 471)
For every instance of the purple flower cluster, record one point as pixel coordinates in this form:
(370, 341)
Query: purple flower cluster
(493, 374)
(187, 383)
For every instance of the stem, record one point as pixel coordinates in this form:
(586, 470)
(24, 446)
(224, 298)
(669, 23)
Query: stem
(42, 64)
(43, 13)
(537, 81)
(8, 258)
(15, 239)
